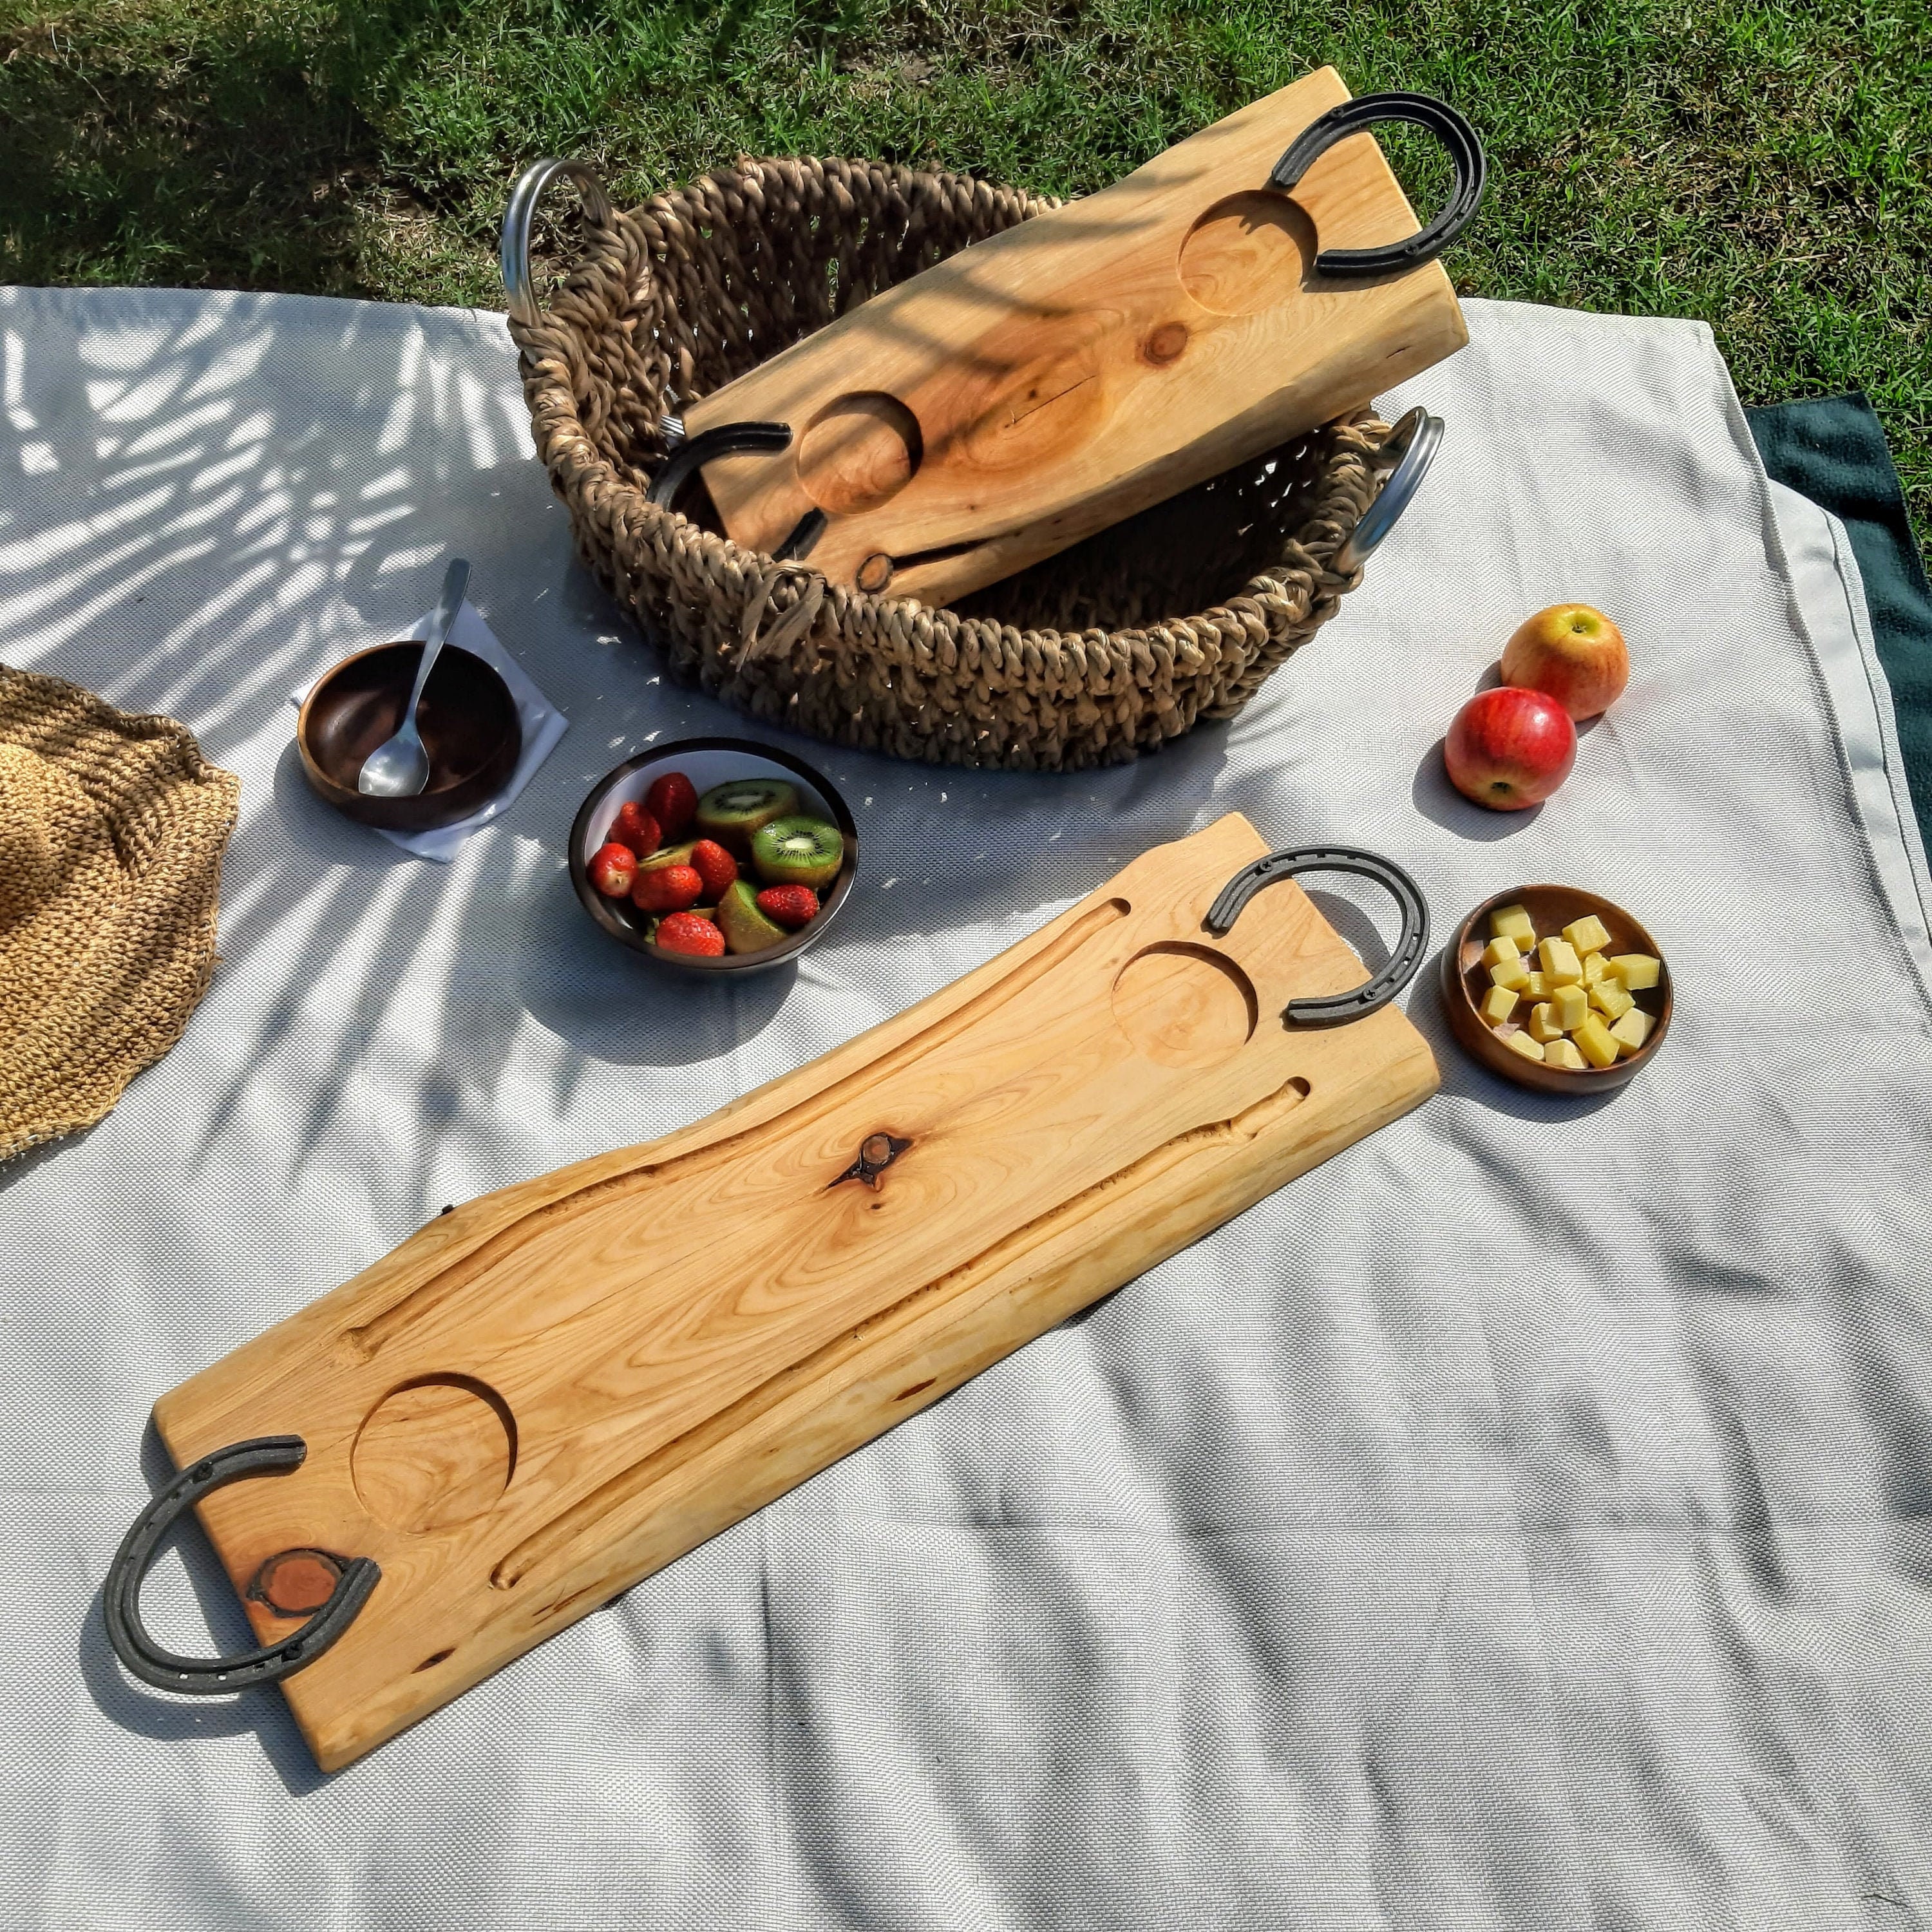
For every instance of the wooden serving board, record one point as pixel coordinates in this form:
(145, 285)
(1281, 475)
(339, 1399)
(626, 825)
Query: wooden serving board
(1045, 383)
(545, 1396)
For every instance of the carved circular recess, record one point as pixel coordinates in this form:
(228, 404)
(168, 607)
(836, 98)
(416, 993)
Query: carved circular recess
(435, 1453)
(1185, 1006)
(1246, 253)
(859, 452)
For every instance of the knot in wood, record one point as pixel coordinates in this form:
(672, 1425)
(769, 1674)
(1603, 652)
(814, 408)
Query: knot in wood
(876, 1152)
(296, 1582)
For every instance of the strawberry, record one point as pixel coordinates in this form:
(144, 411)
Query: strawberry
(672, 801)
(716, 867)
(635, 827)
(666, 889)
(685, 932)
(612, 869)
(792, 906)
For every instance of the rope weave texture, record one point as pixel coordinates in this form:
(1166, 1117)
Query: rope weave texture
(112, 830)
(1087, 658)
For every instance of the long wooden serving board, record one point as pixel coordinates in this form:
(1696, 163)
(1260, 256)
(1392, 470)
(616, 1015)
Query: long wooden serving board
(543, 1396)
(1045, 383)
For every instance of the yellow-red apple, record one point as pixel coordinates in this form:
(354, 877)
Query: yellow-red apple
(1574, 653)
(1510, 747)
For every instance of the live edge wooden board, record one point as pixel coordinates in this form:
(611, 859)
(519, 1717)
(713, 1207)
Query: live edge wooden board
(1045, 383)
(545, 1396)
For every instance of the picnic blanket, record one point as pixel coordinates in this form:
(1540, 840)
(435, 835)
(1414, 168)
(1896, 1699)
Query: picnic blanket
(1523, 1520)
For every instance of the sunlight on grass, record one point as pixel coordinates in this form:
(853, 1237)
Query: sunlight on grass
(1765, 166)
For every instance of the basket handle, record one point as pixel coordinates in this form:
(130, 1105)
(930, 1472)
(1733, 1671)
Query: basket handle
(518, 285)
(1412, 443)
(1466, 152)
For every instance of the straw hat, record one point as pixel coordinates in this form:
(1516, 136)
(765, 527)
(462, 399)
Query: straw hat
(111, 834)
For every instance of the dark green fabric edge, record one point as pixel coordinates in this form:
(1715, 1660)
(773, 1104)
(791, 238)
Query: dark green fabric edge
(1832, 449)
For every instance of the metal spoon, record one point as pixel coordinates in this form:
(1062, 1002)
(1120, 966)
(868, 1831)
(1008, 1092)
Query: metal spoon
(399, 767)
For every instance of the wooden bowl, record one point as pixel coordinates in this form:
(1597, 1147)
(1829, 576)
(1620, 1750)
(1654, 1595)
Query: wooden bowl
(706, 762)
(1466, 979)
(467, 718)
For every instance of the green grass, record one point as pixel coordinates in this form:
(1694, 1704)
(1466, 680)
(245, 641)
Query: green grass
(1764, 164)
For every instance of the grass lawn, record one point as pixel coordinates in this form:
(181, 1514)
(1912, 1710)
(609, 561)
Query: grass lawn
(1764, 164)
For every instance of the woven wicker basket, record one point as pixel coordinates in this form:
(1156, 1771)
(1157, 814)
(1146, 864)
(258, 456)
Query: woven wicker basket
(1089, 658)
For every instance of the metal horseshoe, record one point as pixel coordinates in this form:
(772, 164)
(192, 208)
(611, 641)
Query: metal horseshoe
(1328, 1009)
(209, 1676)
(1352, 117)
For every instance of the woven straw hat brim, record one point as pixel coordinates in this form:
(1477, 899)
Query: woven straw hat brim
(111, 832)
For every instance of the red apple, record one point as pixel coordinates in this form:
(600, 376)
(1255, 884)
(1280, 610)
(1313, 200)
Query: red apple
(1574, 653)
(1509, 748)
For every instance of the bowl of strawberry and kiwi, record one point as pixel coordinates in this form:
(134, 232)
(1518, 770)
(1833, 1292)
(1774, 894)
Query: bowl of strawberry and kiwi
(714, 855)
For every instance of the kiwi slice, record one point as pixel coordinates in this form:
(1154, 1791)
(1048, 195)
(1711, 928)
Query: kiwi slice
(797, 851)
(666, 855)
(730, 813)
(746, 928)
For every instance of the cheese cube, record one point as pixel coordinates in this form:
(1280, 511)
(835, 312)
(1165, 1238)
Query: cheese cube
(1497, 950)
(1513, 922)
(1512, 974)
(1610, 999)
(1563, 1053)
(1631, 1031)
(1594, 967)
(1560, 961)
(1587, 934)
(1499, 1003)
(1543, 1025)
(1594, 1043)
(1637, 970)
(1521, 1043)
(1570, 1005)
(1539, 987)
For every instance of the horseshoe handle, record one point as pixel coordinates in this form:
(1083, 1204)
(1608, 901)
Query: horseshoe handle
(1329, 1009)
(209, 1676)
(688, 456)
(1352, 117)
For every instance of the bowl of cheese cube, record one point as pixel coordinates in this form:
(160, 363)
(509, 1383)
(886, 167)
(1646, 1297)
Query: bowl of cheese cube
(1556, 988)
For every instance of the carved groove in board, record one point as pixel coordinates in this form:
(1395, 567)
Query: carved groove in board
(591, 1511)
(458, 1273)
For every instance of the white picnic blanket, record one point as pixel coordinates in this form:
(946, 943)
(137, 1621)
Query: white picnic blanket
(1524, 1520)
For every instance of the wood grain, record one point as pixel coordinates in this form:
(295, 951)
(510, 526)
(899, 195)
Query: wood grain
(1045, 383)
(548, 1394)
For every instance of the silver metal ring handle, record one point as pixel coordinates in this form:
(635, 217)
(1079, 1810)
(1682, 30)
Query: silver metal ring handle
(518, 285)
(1413, 441)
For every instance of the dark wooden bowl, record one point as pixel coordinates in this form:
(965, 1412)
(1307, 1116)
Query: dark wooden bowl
(706, 762)
(467, 718)
(1466, 979)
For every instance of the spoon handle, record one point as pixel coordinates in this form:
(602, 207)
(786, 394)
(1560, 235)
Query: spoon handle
(455, 581)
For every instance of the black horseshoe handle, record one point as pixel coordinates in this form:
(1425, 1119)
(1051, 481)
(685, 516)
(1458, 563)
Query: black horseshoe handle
(1336, 1009)
(265, 1455)
(1465, 152)
(737, 439)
